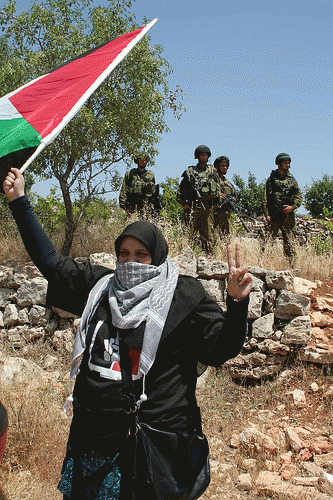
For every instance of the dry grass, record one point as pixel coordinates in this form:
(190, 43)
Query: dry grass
(36, 442)
(97, 238)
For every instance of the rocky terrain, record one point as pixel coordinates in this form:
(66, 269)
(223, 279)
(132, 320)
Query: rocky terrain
(279, 447)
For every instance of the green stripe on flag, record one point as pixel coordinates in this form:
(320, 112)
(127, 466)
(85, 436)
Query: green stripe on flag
(17, 134)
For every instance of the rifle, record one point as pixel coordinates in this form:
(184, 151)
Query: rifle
(191, 182)
(157, 199)
(228, 200)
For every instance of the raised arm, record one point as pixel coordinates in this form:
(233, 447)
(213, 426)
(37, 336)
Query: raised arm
(37, 243)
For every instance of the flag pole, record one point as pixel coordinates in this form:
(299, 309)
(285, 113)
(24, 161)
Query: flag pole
(49, 138)
(32, 157)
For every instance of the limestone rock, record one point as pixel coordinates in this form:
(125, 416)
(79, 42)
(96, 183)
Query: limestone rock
(258, 285)
(63, 340)
(244, 482)
(262, 328)
(257, 271)
(212, 270)
(32, 292)
(303, 286)
(103, 259)
(6, 296)
(214, 288)
(299, 398)
(298, 331)
(290, 304)
(325, 461)
(39, 315)
(23, 316)
(34, 333)
(186, 262)
(280, 280)
(323, 303)
(10, 316)
(18, 371)
(316, 355)
(255, 304)
(325, 483)
(253, 440)
(321, 320)
(293, 440)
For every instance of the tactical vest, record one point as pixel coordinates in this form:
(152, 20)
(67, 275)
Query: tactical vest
(281, 191)
(141, 185)
(207, 182)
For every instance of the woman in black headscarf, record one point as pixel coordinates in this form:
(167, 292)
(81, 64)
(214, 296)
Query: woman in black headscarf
(160, 323)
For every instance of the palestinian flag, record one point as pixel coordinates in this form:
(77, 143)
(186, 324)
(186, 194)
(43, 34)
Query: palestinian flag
(32, 116)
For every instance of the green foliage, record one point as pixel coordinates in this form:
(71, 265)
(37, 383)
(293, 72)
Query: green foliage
(319, 196)
(171, 208)
(250, 195)
(124, 115)
(321, 247)
(51, 211)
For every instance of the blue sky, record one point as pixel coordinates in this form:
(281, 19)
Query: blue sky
(257, 78)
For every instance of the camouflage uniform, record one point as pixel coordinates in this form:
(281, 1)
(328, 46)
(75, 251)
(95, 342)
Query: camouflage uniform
(282, 190)
(202, 219)
(138, 190)
(223, 214)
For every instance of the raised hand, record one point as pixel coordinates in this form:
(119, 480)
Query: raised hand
(13, 185)
(240, 281)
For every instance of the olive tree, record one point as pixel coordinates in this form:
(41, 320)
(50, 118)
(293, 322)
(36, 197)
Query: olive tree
(125, 115)
(250, 195)
(318, 197)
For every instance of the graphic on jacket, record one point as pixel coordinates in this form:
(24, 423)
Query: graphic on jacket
(104, 356)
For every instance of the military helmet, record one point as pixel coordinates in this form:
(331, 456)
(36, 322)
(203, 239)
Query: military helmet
(201, 149)
(282, 157)
(219, 159)
(141, 156)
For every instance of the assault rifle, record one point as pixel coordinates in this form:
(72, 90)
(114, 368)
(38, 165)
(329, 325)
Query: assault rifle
(193, 193)
(157, 199)
(228, 200)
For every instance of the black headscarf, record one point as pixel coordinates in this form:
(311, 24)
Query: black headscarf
(150, 235)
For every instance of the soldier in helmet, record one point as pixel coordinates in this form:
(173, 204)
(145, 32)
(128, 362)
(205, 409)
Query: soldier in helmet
(282, 197)
(138, 189)
(228, 192)
(199, 194)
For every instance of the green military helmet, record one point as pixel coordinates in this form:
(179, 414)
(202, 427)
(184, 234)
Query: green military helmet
(219, 159)
(201, 149)
(282, 157)
(141, 156)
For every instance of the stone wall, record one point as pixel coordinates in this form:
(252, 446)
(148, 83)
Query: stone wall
(280, 324)
(283, 321)
(307, 228)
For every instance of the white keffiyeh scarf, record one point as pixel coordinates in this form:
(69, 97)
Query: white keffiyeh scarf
(137, 293)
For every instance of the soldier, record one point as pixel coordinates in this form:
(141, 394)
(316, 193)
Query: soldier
(199, 193)
(282, 197)
(228, 196)
(138, 190)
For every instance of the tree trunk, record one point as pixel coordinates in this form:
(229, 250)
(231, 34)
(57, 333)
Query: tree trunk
(70, 225)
